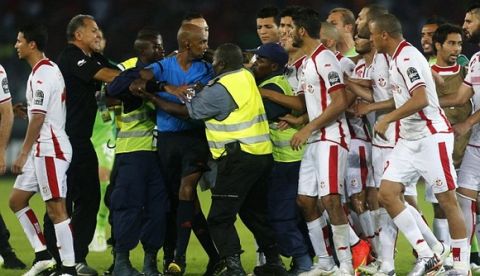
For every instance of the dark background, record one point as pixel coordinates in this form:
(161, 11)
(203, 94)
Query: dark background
(229, 21)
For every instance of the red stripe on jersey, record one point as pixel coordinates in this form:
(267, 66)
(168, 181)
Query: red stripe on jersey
(338, 55)
(320, 48)
(430, 126)
(467, 83)
(445, 120)
(446, 162)
(397, 131)
(350, 129)
(34, 221)
(45, 61)
(363, 166)
(416, 86)
(386, 59)
(56, 146)
(6, 100)
(343, 143)
(52, 176)
(360, 67)
(38, 111)
(336, 87)
(365, 129)
(333, 170)
(299, 62)
(400, 47)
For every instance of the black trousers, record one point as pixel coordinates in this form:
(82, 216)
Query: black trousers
(83, 201)
(4, 236)
(241, 188)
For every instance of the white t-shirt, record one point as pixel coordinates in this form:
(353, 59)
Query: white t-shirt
(292, 72)
(46, 94)
(4, 90)
(321, 75)
(409, 70)
(472, 79)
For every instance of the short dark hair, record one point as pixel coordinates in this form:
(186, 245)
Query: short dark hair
(191, 15)
(309, 19)
(289, 11)
(148, 33)
(75, 23)
(390, 24)
(437, 20)
(37, 33)
(375, 11)
(269, 11)
(231, 55)
(443, 31)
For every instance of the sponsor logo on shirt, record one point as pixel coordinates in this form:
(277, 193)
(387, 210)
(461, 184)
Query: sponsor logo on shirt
(81, 62)
(5, 86)
(333, 78)
(412, 74)
(38, 98)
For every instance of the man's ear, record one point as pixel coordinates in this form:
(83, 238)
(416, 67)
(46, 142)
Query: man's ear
(437, 46)
(274, 66)
(349, 28)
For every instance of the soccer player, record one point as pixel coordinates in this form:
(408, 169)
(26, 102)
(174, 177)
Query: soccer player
(323, 165)
(344, 20)
(424, 132)
(267, 25)
(45, 155)
(428, 29)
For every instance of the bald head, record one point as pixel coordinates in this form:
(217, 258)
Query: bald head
(187, 33)
(329, 31)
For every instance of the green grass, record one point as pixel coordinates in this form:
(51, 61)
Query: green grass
(196, 257)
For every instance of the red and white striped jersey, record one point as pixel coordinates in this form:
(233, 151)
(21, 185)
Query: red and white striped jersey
(4, 90)
(358, 127)
(46, 94)
(447, 70)
(410, 70)
(472, 79)
(292, 73)
(321, 75)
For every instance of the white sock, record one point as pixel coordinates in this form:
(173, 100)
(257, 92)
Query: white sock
(441, 230)
(407, 225)
(32, 228)
(368, 226)
(341, 240)
(315, 232)
(63, 232)
(469, 208)
(355, 223)
(461, 254)
(388, 237)
(427, 233)
(376, 216)
(353, 238)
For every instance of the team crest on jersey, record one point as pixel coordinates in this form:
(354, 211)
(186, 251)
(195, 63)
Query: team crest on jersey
(310, 89)
(38, 98)
(413, 74)
(5, 86)
(382, 82)
(333, 78)
(354, 183)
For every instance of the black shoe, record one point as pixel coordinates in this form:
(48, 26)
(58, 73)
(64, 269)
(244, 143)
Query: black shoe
(234, 266)
(267, 269)
(150, 264)
(65, 271)
(84, 270)
(10, 261)
(215, 267)
(123, 267)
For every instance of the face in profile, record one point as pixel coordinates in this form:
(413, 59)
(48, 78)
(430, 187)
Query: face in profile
(471, 27)
(267, 30)
(198, 44)
(89, 35)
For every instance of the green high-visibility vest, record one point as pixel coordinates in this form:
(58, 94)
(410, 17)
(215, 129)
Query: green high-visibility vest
(282, 151)
(136, 130)
(247, 124)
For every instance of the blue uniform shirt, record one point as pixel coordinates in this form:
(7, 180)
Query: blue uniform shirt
(169, 71)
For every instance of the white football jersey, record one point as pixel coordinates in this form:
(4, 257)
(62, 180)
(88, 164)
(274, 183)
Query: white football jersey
(46, 94)
(292, 72)
(472, 79)
(321, 75)
(4, 90)
(410, 70)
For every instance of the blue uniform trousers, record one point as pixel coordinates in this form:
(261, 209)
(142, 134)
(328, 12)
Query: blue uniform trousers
(139, 202)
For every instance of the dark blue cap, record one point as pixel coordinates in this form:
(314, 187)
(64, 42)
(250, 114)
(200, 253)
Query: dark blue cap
(273, 52)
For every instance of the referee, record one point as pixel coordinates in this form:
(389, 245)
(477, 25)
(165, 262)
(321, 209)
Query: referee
(83, 69)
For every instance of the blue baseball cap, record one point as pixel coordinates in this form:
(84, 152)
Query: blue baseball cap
(273, 52)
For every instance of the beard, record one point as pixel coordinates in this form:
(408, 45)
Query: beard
(474, 37)
(297, 42)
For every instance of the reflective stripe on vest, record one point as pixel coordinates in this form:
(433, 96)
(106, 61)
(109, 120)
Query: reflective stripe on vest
(136, 132)
(247, 124)
(282, 151)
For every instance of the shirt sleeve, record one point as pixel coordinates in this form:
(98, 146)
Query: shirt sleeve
(347, 66)
(157, 70)
(4, 90)
(84, 67)
(473, 73)
(274, 110)
(212, 102)
(41, 91)
(411, 72)
(328, 67)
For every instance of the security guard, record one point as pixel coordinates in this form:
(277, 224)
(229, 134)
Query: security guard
(238, 137)
(283, 185)
(139, 200)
